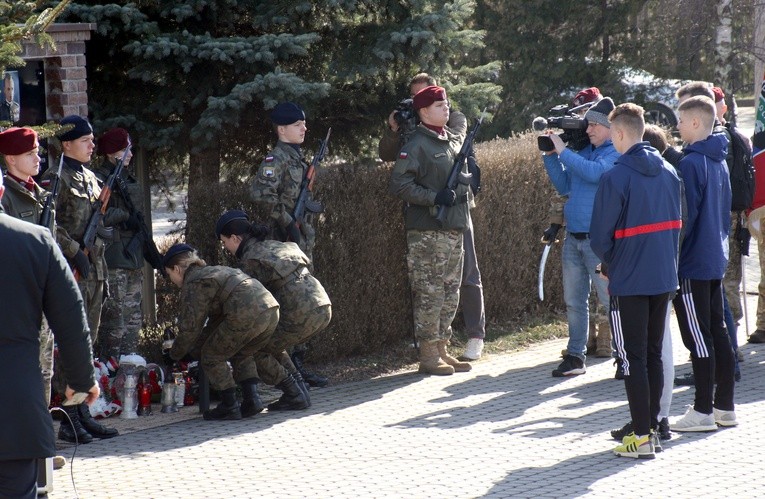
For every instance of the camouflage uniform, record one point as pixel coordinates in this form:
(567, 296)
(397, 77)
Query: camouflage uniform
(121, 317)
(78, 190)
(26, 205)
(305, 308)
(435, 250)
(240, 316)
(276, 188)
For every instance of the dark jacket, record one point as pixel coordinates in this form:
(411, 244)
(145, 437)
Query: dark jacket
(35, 280)
(636, 222)
(703, 255)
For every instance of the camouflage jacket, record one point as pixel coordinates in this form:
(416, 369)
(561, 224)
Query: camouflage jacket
(421, 170)
(78, 190)
(212, 294)
(20, 203)
(283, 269)
(276, 187)
(126, 249)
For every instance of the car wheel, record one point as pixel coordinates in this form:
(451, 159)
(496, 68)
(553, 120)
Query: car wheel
(660, 114)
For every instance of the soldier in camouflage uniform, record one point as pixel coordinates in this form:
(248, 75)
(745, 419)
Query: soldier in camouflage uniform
(225, 315)
(276, 188)
(435, 250)
(305, 308)
(24, 199)
(121, 317)
(78, 190)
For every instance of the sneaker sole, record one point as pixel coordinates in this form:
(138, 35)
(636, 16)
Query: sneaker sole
(636, 455)
(727, 424)
(695, 428)
(575, 372)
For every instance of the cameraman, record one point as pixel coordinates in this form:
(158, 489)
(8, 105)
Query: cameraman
(577, 174)
(471, 290)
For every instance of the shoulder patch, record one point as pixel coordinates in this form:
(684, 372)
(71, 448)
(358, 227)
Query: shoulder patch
(45, 183)
(269, 159)
(267, 172)
(403, 155)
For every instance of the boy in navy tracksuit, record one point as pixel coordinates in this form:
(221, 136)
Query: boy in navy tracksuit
(635, 231)
(699, 304)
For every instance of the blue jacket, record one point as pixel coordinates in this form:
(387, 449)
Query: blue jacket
(703, 255)
(636, 223)
(576, 175)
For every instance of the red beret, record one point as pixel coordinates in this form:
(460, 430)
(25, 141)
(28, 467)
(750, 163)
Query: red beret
(587, 95)
(15, 141)
(719, 95)
(428, 96)
(113, 140)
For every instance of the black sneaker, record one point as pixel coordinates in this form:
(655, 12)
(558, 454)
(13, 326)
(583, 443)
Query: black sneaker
(685, 380)
(571, 366)
(620, 433)
(619, 374)
(663, 429)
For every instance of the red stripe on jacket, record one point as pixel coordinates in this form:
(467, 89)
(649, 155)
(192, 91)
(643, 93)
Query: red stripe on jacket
(648, 228)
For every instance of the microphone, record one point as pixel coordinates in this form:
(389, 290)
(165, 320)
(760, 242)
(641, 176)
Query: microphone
(539, 124)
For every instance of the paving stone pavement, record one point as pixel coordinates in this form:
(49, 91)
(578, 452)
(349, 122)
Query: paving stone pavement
(505, 429)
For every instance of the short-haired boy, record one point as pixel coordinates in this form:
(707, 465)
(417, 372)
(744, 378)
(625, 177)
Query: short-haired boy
(635, 231)
(699, 304)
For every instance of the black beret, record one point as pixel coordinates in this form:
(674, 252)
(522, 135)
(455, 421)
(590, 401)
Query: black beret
(286, 113)
(81, 128)
(227, 217)
(175, 250)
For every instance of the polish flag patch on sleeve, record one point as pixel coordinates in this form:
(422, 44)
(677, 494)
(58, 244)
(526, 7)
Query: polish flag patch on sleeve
(269, 159)
(403, 155)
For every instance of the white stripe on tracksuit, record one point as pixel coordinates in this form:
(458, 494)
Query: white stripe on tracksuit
(692, 318)
(618, 335)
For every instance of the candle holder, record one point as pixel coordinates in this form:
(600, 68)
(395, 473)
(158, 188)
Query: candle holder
(168, 398)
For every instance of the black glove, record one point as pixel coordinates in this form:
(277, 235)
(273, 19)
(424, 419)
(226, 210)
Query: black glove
(743, 236)
(133, 222)
(445, 197)
(550, 234)
(293, 233)
(166, 358)
(82, 264)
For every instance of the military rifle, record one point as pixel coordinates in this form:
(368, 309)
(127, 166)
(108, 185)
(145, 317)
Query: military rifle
(304, 201)
(150, 252)
(459, 161)
(47, 211)
(99, 207)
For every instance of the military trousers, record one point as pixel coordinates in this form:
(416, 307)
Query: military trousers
(121, 317)
(434, 260)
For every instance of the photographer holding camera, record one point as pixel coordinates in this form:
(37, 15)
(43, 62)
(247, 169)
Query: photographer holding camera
(577, 174)
(402, 122)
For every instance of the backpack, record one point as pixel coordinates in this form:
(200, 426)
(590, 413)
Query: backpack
(741, 170)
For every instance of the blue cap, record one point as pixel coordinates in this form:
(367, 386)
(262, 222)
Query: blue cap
(175, 250)
(81, 128)
(286, 113)
(227, 217)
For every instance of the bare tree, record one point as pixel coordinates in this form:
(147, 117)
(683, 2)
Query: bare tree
(723, 47)
(759, 47)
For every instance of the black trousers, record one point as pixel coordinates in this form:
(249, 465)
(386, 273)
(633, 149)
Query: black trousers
(637, 328)
(18, 479)
(699, 309)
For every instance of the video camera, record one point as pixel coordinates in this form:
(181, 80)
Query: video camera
(405, 116)
(574, 127)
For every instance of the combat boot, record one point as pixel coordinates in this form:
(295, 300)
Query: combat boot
(312, 379)
(73, 432)
(302, 385)
(292, 399)
(604, 340)
(430, 360)
(459, 367)
(251, 403)
(93, 427)
(228, 408)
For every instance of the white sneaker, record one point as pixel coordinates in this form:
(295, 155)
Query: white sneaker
(473, 349)
(694, 421)
(725, 418)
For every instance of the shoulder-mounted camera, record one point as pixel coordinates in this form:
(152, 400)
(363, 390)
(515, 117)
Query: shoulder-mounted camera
(567, 119)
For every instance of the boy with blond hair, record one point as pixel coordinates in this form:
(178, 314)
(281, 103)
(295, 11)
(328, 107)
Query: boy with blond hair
(699, 303)
(635, 232)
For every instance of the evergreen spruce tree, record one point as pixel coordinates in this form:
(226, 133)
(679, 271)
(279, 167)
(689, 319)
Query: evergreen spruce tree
(198, 77)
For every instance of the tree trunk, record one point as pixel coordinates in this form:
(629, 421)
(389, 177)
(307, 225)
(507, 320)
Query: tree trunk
(204, 205)
(723, 47)
(759, 47)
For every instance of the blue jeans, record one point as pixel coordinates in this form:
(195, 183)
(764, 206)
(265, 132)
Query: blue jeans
(579, 264)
